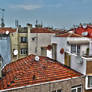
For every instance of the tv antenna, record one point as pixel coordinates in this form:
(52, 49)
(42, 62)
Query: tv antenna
(2, 17)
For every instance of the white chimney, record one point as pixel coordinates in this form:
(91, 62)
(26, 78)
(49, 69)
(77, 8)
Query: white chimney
(90, 48)
(29, 26)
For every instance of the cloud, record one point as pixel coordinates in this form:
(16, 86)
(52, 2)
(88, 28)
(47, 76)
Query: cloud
(27, 7)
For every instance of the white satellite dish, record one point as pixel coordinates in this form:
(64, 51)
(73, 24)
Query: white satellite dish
(15, 52)
(37, 58)
(84, 33)
(7, 32)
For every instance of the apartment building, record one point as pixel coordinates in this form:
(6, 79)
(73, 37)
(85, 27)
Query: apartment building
(28, 40)
(5, 48)
(40, 74)
(19, 43)
(75, 51)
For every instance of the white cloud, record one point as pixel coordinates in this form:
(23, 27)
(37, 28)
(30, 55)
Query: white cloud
(27, 7)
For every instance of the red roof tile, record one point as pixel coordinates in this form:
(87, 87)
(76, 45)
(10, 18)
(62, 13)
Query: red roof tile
(3, 30)
(88, 29)
(27, 71)
(68, 35)
(41, 30)
(45, 30)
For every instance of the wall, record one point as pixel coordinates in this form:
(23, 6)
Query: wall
(41, 40)
(89, 67)
(5, 50)
(61, 43)
(49, 87)
(76, 65)
(83, 49)
(16, 44)
(22, 45)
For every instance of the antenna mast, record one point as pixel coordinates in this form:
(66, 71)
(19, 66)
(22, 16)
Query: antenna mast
(2, 18)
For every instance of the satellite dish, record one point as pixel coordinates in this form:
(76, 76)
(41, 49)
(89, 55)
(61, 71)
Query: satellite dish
(37, 58)
(15, 52)
(7, 32)
(84, 33)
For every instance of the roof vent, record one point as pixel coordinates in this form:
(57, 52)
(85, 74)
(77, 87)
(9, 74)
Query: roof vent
(37, 58)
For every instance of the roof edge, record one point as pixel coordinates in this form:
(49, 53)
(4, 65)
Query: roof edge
(42, 83)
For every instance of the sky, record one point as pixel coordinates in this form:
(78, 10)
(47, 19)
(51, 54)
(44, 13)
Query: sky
(53, 13)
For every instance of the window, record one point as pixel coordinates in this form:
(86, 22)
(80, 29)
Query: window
(59, 90)
(78, 49)
(90, 81)
(33, 39)
(23, 39)
(23, 51)
(73, 48)
(76, 89)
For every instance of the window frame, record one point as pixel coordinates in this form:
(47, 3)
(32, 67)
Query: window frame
(73, 48)
(76, 49)
(23, 39)
(76, 88)
(87, 87)
(25, 51)
(57, 90)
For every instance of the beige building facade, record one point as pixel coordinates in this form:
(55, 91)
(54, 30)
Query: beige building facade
(19, 43)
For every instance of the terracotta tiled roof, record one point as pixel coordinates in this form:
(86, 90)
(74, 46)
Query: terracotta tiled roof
(41, 30)
(27, 71)
(45, 30)
(69, 35)
(88, 29)
(3, 30)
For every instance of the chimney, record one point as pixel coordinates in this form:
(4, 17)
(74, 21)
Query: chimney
(0, 66)
(29, 28)
(90, 48)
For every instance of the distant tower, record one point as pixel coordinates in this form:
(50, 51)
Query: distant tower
(2, 18)
(16, 23)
